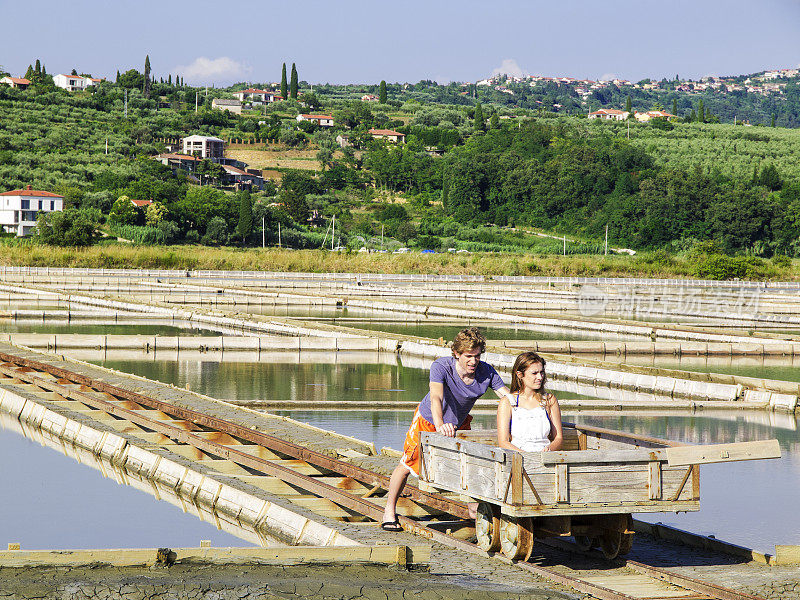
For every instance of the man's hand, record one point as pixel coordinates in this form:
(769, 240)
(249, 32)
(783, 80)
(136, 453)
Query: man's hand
(447, 429)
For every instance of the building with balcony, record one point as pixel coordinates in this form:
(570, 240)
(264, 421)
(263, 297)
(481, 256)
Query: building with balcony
(20, 208)
(203, 146)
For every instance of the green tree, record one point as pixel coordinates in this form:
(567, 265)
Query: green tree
(494, 121)
(293, 83)
(146, 87)
(123, 212)
(70, 227)
(117, 79)
(154, 214)
(216, 232)
(770, 178)
(38, 68)
(245, 226)
(479, 122)
(382, 93)
(284, 85)
(29, 73)
(628, 104)
(675, 106)
(701, 111)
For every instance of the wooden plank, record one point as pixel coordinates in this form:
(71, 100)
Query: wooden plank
(603, 456)
(716, 453)
(438, 440)
(599, 508)
(654, 481)
(517, 481)
(561, 484)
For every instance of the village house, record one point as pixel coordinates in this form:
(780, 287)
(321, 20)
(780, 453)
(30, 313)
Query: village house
(388, 134)
(322, 120)
(16, 82)
(141, 203)
(233, 106)
(20, 208)
(203, 146)
(653, 114)
(179, 161)
(609, 114)
(343, 140)
(257, 96)
(241, 178)
(369, 98)
(74, 83)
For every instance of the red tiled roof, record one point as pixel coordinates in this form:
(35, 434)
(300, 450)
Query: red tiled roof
(607, 111)
(29, 192)
(385, 132)
(255, 91)
(141, 202)
(19, 80)
(317, 117)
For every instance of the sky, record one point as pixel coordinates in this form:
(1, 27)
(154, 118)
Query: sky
(365, 41)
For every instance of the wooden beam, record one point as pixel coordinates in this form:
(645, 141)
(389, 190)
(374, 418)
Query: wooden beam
(716, 453)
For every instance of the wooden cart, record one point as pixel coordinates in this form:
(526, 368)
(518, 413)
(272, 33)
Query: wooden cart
(587, 490)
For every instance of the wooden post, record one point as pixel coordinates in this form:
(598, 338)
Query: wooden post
(516, 479)
(654, 480)
(562, 483)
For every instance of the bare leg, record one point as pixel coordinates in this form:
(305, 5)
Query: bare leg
(473, 509)
(396, 484)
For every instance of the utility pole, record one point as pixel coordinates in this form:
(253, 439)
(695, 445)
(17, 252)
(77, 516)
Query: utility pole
(126, 103)
(195, 101)
(606, 250)
(565, 245)
(106, 145)
(333, 233)
(263, 245)
(381, 237)
(279, 234)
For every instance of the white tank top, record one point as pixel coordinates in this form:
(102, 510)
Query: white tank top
(529, 428)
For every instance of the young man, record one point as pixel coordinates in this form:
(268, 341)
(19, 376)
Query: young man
(456, 382)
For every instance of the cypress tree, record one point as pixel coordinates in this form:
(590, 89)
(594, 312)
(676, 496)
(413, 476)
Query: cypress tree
(38, 68)
(293, 83)
(479, 123)
(245, 226)
(382, 93)
(29, 73)
(169, 79)
(773, 121)
(628, 104)
(701, 111)
(146, 90)
(284, 85)
(44, 70)
(675, 106)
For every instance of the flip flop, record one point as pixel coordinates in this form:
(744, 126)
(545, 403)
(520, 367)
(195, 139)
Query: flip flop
(393, 526)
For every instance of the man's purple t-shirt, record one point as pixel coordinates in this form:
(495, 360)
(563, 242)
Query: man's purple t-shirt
(459, 397)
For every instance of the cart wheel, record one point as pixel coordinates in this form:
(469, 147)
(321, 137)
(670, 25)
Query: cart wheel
(585, 542)
(627, 538)
(516, 537)
(487, 527)
(611, 543)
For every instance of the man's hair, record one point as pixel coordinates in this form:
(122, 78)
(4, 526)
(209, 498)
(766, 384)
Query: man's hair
(468, 339)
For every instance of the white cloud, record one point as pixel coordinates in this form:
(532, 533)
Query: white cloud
(208, 70)
(509, 67)
(608, 77)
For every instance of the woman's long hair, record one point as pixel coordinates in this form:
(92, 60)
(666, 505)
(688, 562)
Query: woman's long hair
(525, 360)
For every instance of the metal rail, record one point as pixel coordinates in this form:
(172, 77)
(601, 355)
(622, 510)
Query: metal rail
(30, 372)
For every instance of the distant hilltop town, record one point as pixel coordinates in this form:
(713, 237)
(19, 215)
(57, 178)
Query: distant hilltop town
(766, 83)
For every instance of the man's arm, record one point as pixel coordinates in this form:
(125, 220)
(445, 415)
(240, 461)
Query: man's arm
(437, 397)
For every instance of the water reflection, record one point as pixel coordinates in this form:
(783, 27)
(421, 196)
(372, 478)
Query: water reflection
(51, 502)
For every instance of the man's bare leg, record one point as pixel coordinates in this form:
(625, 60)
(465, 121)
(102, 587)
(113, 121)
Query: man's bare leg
(396, 484)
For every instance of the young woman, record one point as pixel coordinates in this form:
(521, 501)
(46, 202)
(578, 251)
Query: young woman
(530, 420)
(456, 382)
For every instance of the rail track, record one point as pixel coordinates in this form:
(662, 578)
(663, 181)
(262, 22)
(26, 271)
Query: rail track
(328, 485)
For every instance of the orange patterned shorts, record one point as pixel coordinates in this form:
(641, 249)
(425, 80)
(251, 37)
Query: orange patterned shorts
(411, 455)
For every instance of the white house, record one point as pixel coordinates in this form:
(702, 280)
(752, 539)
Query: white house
(19, 209)
(16, 82)
(322, 120)
(257, 96)
(233, 106)
(653, 114)
(609, 114)
(388, 134)
(203, 146)
(74, 83)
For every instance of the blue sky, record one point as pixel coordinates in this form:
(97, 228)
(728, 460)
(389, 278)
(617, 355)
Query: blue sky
(355, 41)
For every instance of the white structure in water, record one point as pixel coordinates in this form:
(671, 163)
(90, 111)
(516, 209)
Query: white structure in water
(19, 209)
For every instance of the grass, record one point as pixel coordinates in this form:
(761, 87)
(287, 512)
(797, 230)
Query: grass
(277, 159)
(113, 255)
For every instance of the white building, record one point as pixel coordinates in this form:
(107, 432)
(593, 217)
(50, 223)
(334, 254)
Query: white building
(16, 82)
(203, 146)
(233, 106)
(19, 209)
(74, 83)
(322, 120)
(257, 96)
(609, 114)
